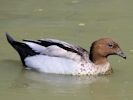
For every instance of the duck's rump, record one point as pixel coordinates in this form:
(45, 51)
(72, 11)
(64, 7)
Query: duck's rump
(47, 64)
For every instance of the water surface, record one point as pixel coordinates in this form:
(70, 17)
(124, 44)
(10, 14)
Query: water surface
(75, 21)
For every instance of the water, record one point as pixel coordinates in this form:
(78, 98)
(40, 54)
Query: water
(75, 21)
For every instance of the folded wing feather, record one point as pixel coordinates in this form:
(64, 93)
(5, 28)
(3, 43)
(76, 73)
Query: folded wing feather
(56, 48)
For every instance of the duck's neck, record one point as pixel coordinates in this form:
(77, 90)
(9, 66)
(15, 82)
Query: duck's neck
(97, 59)
(102, 64)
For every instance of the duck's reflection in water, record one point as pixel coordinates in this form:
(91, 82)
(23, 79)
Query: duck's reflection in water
(33, 79)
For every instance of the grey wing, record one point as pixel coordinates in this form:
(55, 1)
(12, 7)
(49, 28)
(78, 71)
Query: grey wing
(57, 48)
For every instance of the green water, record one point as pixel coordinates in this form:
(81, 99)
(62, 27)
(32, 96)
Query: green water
(75, 21)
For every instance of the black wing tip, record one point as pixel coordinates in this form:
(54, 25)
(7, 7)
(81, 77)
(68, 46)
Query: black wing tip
(9, 38)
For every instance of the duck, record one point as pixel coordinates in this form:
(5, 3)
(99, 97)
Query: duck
(59, 57)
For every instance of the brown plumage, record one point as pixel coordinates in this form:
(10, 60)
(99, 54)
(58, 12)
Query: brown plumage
(102, 48)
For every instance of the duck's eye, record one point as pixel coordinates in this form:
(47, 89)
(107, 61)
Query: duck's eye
(110, 45)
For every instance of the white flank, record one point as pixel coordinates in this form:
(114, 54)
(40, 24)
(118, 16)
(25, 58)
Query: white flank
(52, 64)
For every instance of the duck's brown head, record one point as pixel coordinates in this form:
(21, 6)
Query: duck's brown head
(102, 48)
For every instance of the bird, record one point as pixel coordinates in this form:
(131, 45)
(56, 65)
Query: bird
(59, 57)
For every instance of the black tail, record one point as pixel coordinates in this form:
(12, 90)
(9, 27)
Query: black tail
(23, 49)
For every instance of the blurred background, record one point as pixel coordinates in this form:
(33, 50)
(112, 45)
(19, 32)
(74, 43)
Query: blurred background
(75, 21)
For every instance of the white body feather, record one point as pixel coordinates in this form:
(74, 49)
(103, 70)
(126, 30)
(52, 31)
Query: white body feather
(58, 65)
(49, 64)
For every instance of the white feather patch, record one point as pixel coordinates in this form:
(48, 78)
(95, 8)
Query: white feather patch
(54, 50)
(52, 64)
(36, 47)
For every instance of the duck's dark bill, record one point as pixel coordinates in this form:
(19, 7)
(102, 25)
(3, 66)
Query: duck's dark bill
(121, 54)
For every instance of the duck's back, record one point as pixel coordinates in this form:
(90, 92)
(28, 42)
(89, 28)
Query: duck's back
(57, 48)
